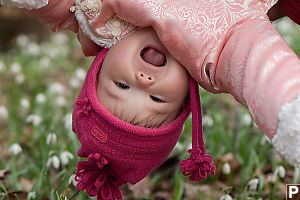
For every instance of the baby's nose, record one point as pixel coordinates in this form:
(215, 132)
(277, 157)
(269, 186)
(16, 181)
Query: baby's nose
(144, 79)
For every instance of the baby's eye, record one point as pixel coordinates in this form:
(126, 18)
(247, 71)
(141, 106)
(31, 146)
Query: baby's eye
(122, 86)
(156, 99)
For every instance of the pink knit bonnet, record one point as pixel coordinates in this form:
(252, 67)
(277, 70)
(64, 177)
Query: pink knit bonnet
(119, 152)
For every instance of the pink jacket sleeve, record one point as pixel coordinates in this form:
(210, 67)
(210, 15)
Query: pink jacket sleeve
(258, 68)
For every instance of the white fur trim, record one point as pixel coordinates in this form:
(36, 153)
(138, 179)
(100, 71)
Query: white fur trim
(287, 138)
(27, 4)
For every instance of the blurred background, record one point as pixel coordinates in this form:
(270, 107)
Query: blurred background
(40, 76)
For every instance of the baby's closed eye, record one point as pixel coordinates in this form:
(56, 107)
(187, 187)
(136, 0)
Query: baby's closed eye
(156, 99)
(122, 85)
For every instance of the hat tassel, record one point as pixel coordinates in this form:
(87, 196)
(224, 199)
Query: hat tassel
(199, 165)
(97, 178)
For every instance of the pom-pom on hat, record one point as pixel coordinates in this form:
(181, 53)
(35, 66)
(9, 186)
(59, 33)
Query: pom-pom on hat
(119, 152)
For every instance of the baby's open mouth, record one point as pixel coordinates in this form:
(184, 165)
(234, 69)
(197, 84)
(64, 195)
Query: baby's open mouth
(153, 57)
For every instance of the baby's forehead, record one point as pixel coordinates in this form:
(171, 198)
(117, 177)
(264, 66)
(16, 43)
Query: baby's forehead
(139, 118)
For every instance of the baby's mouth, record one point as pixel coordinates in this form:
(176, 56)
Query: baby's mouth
(153, 57)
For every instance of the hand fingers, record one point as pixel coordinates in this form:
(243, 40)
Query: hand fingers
(107, 12)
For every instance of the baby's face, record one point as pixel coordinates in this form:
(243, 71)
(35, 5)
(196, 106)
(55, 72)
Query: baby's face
(141, 82)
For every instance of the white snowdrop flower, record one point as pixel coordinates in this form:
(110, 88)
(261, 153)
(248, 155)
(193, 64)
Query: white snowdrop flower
(74, 83)
(255, 125)
(72, 180)
(288, 39)
(60, 38)
(65, 156)
(265, 140)
(61, 101)
(284, 25)
(2, 66)
(53, 161)
(33, 49)
(226, 169)
(15, 68)
(25, 103)
(57, 88)
(22, 40)
(253, 184)
(3, 112)
(52, 51)
(34, 119)
(51, 138)
(207, 121)
(68, 121)
(226, 197)
(40, 98)
(44, 62)
(15, 149)
(20, 78)
(179, 146)
(190, 146)
(246, 119)
(31, 196)
(80, 74)
(280, 170)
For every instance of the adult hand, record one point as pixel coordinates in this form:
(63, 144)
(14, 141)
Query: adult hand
(56, 14)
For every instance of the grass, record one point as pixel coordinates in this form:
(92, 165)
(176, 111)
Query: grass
(38, 86)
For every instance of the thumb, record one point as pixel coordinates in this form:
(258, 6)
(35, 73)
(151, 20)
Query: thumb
(106, 13)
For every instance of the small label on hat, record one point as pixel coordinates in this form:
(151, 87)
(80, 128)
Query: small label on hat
(102, 137)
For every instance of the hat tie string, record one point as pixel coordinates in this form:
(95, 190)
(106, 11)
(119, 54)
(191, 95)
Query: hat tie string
(199, 165)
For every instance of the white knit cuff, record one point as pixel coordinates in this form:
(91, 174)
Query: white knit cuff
(27, 4)
(287, 138)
